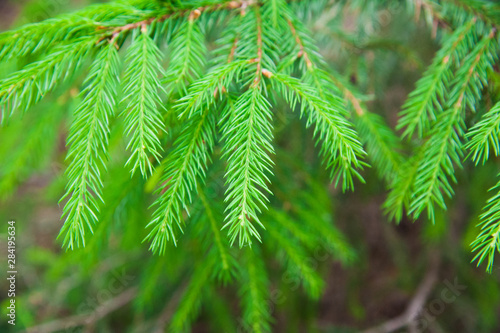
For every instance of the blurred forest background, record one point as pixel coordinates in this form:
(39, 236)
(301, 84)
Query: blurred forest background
(397, 268)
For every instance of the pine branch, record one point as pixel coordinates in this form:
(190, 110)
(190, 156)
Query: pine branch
(425, 102)
(184, 167)
(204, 92)
(486, 11)
(39, 37)
(443, 149)
(46, 35)
(382, 144)
(188, 56)
(488, 241)
(401, 188)
(143, 119)
(247, 139)
(88, 141)
(340, 149)
(484, 136)
(28, 86)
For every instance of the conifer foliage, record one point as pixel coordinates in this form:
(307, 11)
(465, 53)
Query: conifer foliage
(245, 119)
(194, 89)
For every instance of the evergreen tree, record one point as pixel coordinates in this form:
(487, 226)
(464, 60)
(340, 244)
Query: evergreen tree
(177, 105)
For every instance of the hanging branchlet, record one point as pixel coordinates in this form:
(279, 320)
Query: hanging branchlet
(302, 51)
(88, 141)
(248, 144)
(487, 243)
(142, 115)
(443, 147)
(228, 93)
(424, 103)
(383, 146)
(258, 60)
(484, 137)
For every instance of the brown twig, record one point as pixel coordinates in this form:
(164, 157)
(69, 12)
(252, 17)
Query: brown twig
(193, 15)
(258, 60)
(233, 50)
(87, 319)
(229, 59)
(416, 304)
(302, 52)
(349, 96)
(354, 101)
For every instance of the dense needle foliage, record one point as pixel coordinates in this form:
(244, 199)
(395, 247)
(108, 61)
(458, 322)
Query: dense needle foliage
(196, 90)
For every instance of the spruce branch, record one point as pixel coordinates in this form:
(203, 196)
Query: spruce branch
(487, 12)
(28, 86)
(316, 199)
(258, 60)
(42, 36)
(46, 35)
(443, 148)
(276, 11)
(485, 136)
(188, 57)
(204, 92)
(184, 167)
(247, 136)
(297, 229)
(382, 144)
(424, 103)
(302, 51)
(488, 241)
(341, 149)
(400, 188)
(143, 119)
(88, 140)
(310, 220)
(191, 10)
